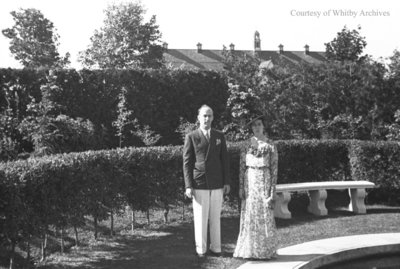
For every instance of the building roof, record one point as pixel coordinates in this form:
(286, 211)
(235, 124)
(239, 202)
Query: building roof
(213, 59)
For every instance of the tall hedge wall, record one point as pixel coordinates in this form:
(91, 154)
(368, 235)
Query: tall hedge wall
(157, 97)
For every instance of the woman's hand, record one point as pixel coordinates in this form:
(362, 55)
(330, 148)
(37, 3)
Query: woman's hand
(270, 202)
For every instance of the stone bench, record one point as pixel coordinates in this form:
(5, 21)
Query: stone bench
(318, 195)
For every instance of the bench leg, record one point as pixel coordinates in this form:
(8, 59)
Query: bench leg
(317, 202)
(357, 201)
(281, 210)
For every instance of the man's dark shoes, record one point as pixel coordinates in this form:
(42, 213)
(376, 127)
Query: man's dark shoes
(215, 254)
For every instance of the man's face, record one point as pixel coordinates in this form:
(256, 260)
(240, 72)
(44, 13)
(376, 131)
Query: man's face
(205, 118)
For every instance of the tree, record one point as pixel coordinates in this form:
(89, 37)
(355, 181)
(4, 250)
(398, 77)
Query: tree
(34, 41)
(394, 65)
(287, 100)
(51, 131)
(8, 143)
(393, 91)
(303, 101)
(124, 118)
(347, 46)
(128, 129)
(394, 128)
(244, 81)
(125, 40)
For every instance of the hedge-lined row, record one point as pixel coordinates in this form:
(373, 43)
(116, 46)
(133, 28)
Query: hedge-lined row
(158, 98)
(60, 190)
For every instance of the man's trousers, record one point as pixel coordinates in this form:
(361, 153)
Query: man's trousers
(207, 206)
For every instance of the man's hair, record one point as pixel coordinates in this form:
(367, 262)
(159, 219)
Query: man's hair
(204, 106)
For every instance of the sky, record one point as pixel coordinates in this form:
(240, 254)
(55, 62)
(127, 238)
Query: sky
(214, 23)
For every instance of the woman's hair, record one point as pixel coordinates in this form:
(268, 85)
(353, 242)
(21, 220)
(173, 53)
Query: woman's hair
(250, 125)
(263, 120)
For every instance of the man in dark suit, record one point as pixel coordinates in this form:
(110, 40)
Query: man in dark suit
(206, 174)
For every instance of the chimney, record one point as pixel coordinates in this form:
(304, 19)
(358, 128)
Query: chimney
(165, 46)
(232, 47)
(257, 41)
(280, 49)
(199, 49)
(307, 49)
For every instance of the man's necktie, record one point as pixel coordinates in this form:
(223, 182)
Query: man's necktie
(207, 136)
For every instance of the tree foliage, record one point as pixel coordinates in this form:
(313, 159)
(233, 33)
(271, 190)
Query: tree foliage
(123, 120)
(329, 100)
(34, 41)
(157, 99)
(348, 45)
(244, 80)
(394, 65)
(333, 99)
(9, 145)
(125, 40)
(49, 129)
(128, 128)
(394, 128)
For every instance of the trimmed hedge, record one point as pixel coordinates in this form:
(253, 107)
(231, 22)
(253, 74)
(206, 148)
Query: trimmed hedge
(313, 160)
(158, 98)
(60, 190)
(378, 162)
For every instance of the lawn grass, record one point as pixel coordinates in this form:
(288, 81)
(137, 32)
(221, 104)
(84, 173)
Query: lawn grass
(171, 245)
(160, 245)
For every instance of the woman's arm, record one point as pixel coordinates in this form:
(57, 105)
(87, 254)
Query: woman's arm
(274, 170)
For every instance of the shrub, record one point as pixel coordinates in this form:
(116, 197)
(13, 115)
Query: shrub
(378, 162)
(312, 160)
(184, 128)
(394, 128)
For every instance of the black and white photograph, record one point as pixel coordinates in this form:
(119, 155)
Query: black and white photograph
(225, 134)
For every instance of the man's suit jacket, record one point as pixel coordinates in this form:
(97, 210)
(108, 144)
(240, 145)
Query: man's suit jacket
(205, 164)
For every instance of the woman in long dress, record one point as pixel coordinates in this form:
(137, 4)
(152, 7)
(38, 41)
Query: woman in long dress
(258, 176)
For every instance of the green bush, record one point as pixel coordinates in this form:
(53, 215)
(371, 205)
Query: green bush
(378, 162)
(56, 189)
(312, 160)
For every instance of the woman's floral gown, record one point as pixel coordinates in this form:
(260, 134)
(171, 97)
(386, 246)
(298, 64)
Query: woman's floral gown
(258, 176)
